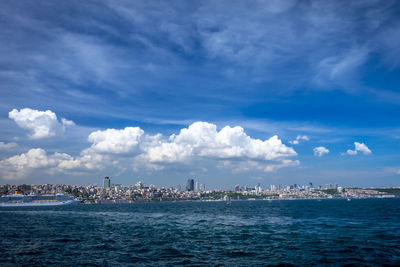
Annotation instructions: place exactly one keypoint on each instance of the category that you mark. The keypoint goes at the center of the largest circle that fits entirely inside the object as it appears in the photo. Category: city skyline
(270, 92)
(195, 186)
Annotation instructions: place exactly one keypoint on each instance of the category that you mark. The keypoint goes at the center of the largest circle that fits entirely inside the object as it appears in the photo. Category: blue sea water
(244, 233)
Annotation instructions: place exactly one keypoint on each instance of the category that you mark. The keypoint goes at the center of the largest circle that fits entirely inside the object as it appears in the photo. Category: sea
(360, 232)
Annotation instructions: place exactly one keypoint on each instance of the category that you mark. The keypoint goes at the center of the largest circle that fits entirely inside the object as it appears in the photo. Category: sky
(225, 92)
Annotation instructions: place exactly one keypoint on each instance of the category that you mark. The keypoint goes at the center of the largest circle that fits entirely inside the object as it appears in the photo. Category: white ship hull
(37, 204)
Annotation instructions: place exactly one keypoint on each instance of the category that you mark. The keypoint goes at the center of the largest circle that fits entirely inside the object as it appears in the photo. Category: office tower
(196, 186)
(237, 188)
(258, 189)
(106, 182)
(190, 185)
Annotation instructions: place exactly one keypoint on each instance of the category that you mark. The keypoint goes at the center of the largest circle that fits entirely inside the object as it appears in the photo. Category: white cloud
(202, 139)
(116, 141)
(199, 140)
(359, 147)
(351, 152)
(20, 166)
(299, 138)
(41, 124)
(7, 146)
(66, 122)
(320, 151)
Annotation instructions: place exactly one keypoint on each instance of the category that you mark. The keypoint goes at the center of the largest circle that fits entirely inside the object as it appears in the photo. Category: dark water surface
(245, 233)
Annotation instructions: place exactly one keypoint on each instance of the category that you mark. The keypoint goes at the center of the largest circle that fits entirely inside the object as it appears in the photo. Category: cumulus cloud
(298, 139)
(41, 124)
(116, 141)
(20, 166)
(202, 139)
(359, 147)
(320, 151)
(199, 140)
(230, 147)
(7, 146)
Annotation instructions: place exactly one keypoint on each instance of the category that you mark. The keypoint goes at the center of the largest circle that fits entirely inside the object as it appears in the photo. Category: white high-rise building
(106, 182)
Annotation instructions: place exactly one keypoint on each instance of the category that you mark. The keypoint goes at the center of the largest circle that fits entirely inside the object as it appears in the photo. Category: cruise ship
(20, 200)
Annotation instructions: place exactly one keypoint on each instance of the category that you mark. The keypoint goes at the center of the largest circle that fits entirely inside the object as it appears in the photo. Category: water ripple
(257, 233)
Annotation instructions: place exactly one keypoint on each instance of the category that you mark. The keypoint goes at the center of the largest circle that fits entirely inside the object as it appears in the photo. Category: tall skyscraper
(190, 185)
(106, 182)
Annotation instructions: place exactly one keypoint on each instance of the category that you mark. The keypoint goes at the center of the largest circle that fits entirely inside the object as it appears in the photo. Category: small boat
(348, 199)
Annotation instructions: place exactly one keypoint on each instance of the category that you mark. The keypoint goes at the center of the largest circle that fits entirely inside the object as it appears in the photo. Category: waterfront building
(203, 187)
(190, 185)
(106, 182)
(258, 189)
(139, 184)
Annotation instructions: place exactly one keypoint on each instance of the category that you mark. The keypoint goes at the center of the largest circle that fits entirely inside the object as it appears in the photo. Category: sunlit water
(245, 233)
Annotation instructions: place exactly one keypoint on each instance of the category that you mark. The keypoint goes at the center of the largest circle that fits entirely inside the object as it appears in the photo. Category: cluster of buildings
(115, 193)
(191, 185)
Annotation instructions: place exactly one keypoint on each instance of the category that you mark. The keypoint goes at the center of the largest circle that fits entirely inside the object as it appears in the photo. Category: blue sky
(145, 89)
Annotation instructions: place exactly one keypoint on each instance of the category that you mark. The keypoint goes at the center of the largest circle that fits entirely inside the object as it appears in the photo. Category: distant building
(196, 186)
(106, 182)
(203, 187)
(139, 184)
(258, 189)
(237, 188)
(190, 185)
